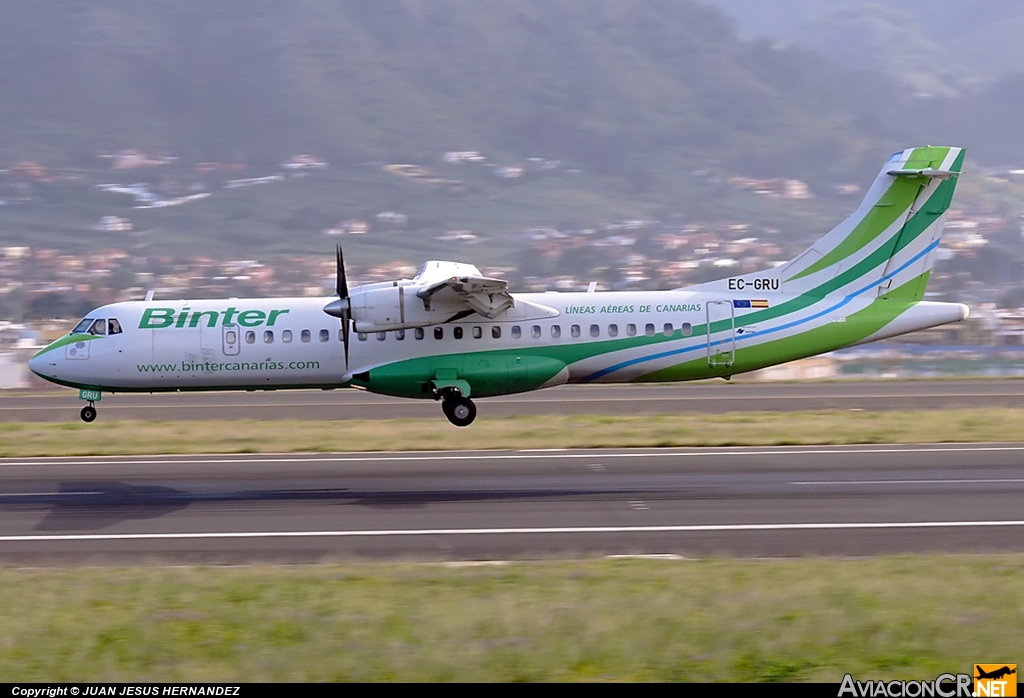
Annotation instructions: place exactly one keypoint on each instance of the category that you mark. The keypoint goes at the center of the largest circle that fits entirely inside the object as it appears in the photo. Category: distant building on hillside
(392, 218)
(114, 224)
(461, 156)
(304, 162)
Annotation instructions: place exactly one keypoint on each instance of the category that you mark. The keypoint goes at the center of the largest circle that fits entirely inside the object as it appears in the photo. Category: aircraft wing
(483, 295)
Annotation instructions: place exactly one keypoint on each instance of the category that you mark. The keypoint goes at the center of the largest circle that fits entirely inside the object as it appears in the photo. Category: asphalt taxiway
(703, 396)
(782, 501)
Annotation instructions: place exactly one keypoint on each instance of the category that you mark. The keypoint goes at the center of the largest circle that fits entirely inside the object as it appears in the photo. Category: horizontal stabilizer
(926, 172)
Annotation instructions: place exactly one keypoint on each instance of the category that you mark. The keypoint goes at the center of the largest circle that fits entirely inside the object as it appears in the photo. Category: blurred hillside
(943, 45)
(251, 128)
(637, 91)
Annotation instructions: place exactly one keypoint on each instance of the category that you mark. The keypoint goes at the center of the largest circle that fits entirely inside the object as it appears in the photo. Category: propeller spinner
(341, 308)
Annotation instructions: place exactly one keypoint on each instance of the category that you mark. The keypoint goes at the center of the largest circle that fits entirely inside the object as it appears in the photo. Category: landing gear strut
(88, 413)
(459, 410)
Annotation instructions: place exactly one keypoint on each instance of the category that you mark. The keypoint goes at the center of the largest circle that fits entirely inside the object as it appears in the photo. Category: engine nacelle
(380, 308)
(441, 292)
(395, 306)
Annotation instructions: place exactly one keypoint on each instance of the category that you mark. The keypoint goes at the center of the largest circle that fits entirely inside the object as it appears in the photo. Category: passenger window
(286, 336)
(113, 326)
(325, 336)
(418, 333)
(687, 329)
(230, 337)
(98, 327)
(381, 336)
(305, 335)
(268, 336)
(556, 331)
(613, 330)
(668, 329)
(250, 337)
(517, 332)
(535, 331)
(631, 330)
(649, 329)
(361, 336)
(438, 333)
(478, 332)
(496, 331)
(399, 335)
(574, 330)
(457, 332)
(595, 330)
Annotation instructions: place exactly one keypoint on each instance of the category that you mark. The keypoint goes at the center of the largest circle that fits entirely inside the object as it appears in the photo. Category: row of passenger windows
(286, 336)
(476, 332)
(536, 331)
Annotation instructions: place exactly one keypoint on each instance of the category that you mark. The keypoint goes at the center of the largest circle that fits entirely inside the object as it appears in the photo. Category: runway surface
(704, 396)
(759, 502)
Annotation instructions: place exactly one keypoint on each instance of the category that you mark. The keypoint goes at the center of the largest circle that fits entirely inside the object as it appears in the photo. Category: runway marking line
(558, 400)
(699, 528)
(385, 456)
(978, 481)
(46, 494)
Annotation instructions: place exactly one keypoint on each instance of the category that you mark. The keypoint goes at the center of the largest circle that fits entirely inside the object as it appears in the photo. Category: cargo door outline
(721, 343)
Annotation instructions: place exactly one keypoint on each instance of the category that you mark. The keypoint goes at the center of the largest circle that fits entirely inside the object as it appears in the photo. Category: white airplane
(451, 334)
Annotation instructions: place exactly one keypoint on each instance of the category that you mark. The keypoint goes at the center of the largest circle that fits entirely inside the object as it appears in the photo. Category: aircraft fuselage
(593, 337)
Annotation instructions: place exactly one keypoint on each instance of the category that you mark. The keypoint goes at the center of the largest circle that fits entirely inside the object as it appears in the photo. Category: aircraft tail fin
(890, 240)
(893, 236)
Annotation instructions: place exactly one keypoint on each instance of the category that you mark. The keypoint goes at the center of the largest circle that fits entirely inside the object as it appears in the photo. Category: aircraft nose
(39, 364)
(35, 364)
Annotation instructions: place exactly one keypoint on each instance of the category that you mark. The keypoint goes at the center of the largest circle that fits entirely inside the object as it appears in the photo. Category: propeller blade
(344, 336)
(341, 308)
(342, 282)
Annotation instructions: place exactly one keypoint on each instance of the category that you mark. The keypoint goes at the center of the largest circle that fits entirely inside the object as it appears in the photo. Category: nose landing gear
(88, 413)
(93, 396)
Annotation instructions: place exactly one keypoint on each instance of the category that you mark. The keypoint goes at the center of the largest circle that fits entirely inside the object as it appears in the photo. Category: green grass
(704, 620)
(19, 439)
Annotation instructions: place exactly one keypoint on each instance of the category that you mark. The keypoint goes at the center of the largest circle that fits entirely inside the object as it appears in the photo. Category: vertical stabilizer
(890, 240)
(892, 236)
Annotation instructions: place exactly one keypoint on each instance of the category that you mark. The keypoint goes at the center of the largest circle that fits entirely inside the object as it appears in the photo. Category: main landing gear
(459, 410)
(88, 413)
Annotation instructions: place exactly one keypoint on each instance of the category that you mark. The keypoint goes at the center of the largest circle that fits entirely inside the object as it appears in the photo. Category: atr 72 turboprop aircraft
(452, 335)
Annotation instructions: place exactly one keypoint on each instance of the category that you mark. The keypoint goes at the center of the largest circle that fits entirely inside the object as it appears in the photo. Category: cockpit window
(113, 326)
(99, 327)
(82, 326)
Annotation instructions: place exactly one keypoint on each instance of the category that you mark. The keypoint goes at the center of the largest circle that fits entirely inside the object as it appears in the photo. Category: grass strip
(702, 620)
(22, 439)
